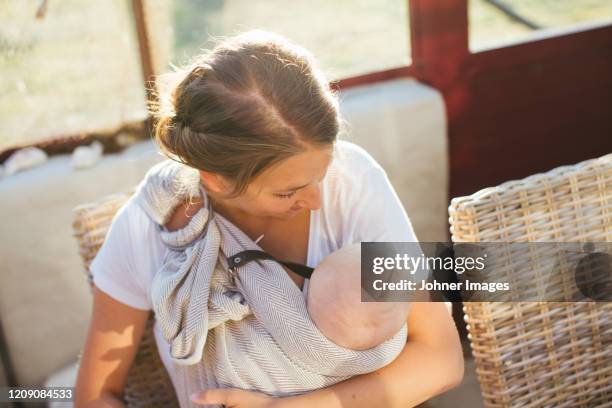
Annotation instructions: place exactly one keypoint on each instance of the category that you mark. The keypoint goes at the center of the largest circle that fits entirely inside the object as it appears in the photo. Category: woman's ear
(213, 182)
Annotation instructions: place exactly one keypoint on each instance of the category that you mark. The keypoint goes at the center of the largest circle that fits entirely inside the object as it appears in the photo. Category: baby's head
(334, 304)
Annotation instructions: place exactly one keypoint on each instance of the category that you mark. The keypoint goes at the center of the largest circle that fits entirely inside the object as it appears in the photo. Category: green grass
(77, 69)
(488, 26)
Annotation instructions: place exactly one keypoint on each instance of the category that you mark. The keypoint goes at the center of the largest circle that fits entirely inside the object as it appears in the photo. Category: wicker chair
(535, 354)
(148, 383)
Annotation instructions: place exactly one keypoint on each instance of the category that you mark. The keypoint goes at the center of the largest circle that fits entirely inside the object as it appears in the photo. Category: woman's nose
(311, 197)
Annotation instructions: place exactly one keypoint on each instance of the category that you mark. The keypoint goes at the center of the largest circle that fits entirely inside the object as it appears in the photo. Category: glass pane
(75, 68)
(348, 37)
(495, 22)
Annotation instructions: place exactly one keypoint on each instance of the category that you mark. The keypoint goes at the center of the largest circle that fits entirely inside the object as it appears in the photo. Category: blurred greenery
(197, 19)
(348, 37)
(77, 69)
(490, 27)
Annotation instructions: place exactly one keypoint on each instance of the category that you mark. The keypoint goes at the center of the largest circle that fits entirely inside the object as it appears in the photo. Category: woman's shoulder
(132, 216)
(130, 254)
(351, 163)
(353, 158)
(137, 229)
(345, 190)
(360, 202)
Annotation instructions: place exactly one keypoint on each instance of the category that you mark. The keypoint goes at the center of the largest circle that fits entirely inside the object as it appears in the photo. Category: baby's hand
(182, 214)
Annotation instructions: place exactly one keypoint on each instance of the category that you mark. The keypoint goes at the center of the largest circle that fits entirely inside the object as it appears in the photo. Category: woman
(259, 122)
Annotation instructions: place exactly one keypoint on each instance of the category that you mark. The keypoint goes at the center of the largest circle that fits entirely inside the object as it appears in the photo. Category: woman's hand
(234, 398)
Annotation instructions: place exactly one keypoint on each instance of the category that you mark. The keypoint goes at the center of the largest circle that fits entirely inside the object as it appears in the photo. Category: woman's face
(287, 188)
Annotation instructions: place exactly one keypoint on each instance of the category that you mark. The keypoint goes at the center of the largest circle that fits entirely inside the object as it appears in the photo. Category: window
(75, 68)
(348, 37)
(495, 22)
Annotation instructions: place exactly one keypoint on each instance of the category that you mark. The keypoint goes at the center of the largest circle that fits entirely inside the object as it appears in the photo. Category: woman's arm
(112, 340)
(431, 363)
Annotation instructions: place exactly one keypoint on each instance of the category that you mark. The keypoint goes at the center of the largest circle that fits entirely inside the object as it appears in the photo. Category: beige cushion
(45, 300)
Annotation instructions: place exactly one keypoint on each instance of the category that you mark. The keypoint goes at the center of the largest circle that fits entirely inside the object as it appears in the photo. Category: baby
(334, 304)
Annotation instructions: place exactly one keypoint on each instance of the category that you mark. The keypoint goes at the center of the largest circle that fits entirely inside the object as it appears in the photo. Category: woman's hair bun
(252, 101)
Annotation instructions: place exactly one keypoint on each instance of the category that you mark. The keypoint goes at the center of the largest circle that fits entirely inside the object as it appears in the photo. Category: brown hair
(253, 101)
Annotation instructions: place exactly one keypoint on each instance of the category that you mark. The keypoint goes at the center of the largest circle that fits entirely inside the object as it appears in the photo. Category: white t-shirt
(358, 205)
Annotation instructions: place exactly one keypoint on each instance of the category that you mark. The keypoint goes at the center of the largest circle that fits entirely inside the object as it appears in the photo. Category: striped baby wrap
(253, 332)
